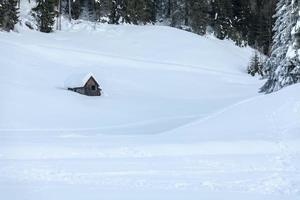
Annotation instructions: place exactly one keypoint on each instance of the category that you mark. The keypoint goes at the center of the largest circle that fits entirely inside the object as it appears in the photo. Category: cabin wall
(88, 88)
(90, 92)
(87, 91)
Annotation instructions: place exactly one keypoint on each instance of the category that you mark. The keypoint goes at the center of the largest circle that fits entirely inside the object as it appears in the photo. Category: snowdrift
(268, 117)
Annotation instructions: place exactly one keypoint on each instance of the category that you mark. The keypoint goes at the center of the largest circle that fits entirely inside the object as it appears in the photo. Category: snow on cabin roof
(78, 80)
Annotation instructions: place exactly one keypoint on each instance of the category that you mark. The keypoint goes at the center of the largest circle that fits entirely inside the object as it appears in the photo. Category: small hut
(85, 84)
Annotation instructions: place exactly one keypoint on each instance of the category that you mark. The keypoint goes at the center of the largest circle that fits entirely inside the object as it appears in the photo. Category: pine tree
(198, 15)
(177, 13)
(164, 9)
(148, 14)
(132, 11)
(117, 12)
(221, 19)
(75, 9)
(283, 65)
(102, 10)
(256, 65)
(260, 25)
(240, 21)
(8, 14)
(294, 53)
(45, 14)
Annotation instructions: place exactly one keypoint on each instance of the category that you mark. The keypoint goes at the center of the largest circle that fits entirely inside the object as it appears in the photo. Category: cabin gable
(91, 82)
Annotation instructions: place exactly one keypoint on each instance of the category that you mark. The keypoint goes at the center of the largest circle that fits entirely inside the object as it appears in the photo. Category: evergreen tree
(256, 65)
(102, 10)
(177, 13)
(260, 30)
(45, 14)
(148, 14)
(117, 12)
(283, 65)
(240, 21)
(8, 14)
(75, 9)
(221, 19)
(163, 9)
(132, 11)
(198, 15)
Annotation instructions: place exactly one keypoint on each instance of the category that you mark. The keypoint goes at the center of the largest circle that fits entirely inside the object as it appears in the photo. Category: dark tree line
(247, 22)
(8, 14)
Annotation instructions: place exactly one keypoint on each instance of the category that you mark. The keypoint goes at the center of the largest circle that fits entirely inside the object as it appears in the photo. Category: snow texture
(180, 119)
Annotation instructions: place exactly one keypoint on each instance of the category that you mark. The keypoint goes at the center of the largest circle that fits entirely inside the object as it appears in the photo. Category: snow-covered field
(179, 119)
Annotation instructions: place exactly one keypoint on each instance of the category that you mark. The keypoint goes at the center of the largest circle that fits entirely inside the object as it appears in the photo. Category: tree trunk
(70, 14)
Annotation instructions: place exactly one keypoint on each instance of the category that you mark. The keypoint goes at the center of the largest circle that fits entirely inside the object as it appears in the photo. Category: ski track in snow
(171, 65)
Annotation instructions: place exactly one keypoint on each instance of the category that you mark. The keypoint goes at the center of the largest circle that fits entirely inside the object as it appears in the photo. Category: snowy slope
(138, 75)
(263, 117)
(179, 118)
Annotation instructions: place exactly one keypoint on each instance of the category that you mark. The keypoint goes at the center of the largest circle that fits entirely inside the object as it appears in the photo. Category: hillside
(140, 69)
(179, 118)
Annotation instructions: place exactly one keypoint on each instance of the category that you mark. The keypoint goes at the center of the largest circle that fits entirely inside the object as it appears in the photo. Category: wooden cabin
(84, 84)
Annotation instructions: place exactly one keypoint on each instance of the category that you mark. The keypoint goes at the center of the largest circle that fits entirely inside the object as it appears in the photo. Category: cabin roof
(78, 80)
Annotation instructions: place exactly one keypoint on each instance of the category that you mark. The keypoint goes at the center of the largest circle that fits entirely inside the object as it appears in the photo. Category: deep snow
(179, 118)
